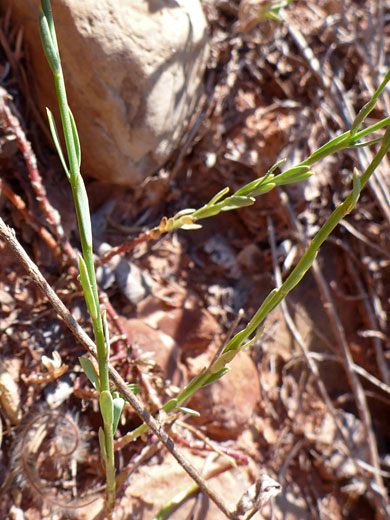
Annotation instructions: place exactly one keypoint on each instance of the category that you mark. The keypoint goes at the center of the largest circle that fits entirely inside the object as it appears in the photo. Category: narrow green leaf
(251, 187)
(235, 202)
(255, 338)
(106, 407)
(80, 193)
(292, 281)
(170, 405)
(190, 411)
(87, 289)
(222, 361)
(48, 45)
(218, 196)
(206, 212)
(264, 188)
(75, 135)
(363, 113)
(291, 180)
(106, 334)
(90, 371)
(134, 388)
(102, 443)
(274, 167)
(367, 143)
(56, 141)
(293, 172)
(369, 106)
(236, 341)
(190, 226)
(46, 8)
(332, 146)
(355, 189)
(118, 403)
(215, 377)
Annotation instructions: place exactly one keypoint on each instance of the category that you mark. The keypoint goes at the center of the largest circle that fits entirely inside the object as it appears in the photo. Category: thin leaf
(75, 135)
(56, 141)
(87, 289)
(369, 106)
(46, 8)
(215, 377)
(297, 178)
(106, 407)
(332, 146)
(367, 143)
(218, 196)
(251, 187)
(264, 188)
(235, 202)
(222, 361)
(90, 371)
(363, 113)
(80, 193)
(102, 443)
(206, 212)
(106, 334)
(118, 403)
(355, 189)
(49, 47)
(189, 411)
(293, 172)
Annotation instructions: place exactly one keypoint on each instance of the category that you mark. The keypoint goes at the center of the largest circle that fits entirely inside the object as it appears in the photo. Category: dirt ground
(306, 404)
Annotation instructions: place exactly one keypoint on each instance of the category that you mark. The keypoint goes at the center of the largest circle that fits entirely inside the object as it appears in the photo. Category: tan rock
(133, 71)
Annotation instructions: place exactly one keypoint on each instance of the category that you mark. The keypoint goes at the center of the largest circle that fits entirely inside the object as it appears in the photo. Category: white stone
(133, 71)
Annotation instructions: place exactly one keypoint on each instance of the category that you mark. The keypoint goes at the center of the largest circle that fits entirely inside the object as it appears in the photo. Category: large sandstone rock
(133, 71)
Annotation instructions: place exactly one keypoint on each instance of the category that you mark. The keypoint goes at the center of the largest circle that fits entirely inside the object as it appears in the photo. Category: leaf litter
(272, 90)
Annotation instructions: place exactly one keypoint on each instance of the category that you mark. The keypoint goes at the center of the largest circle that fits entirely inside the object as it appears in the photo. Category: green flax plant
(111, 402)
(246, 196)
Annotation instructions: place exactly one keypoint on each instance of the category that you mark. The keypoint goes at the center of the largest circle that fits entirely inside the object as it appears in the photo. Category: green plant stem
(84, 223)
(276, 295)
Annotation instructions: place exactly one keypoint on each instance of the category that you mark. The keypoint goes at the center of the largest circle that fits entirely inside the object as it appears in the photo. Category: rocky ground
(305, 405)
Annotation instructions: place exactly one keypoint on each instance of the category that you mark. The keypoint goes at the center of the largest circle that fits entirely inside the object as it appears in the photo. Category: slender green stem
(87, 275)
(276, 295)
